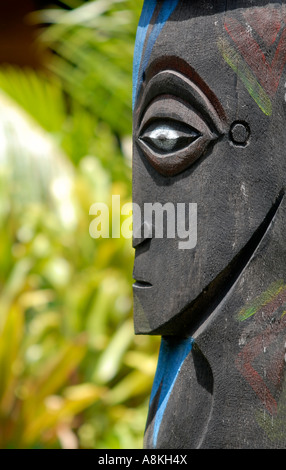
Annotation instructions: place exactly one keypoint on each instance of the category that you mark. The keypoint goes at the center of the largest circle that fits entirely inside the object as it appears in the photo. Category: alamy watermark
(154, 220)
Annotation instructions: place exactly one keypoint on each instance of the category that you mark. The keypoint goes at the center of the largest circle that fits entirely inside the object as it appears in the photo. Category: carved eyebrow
(172, 83)
(175, 76)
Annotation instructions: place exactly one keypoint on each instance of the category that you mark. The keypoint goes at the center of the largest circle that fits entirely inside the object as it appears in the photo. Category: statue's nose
(141, 234)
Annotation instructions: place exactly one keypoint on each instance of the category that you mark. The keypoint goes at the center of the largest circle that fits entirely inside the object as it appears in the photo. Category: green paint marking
(261, 301)
(236, 62)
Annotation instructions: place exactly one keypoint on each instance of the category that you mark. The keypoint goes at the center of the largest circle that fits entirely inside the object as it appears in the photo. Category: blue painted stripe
(140, 63)
(171, 359)
(144, 22)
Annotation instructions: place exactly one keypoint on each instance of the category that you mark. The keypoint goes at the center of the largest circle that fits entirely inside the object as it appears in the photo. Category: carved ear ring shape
(239, 133)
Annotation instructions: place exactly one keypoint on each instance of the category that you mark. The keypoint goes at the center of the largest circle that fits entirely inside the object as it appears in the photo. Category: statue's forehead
(245, 43)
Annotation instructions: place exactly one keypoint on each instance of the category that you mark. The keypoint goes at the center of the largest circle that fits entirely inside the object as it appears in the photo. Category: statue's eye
(173, 134)
(165, 137)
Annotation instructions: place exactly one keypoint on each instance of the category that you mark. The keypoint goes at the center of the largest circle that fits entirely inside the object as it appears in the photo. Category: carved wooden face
(209, 128)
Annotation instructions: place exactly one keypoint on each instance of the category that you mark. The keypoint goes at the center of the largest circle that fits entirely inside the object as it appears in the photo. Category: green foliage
(72, 372)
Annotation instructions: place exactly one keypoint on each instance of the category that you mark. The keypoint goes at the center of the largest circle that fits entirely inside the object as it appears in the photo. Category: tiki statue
(209, 103)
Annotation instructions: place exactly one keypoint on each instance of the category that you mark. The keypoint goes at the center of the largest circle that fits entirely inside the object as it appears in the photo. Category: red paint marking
(256, 347)
(243, 363)
(265, 21)
(268, 74)
(275, 374)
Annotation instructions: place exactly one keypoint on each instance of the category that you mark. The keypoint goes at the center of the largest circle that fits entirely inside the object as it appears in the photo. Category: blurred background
(72, 373)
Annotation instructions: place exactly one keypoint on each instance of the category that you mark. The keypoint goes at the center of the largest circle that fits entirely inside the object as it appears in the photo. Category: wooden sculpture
(209, 130)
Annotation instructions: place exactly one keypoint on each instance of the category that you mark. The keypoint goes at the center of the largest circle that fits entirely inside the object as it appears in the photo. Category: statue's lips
(197, 311)
(142, 284)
